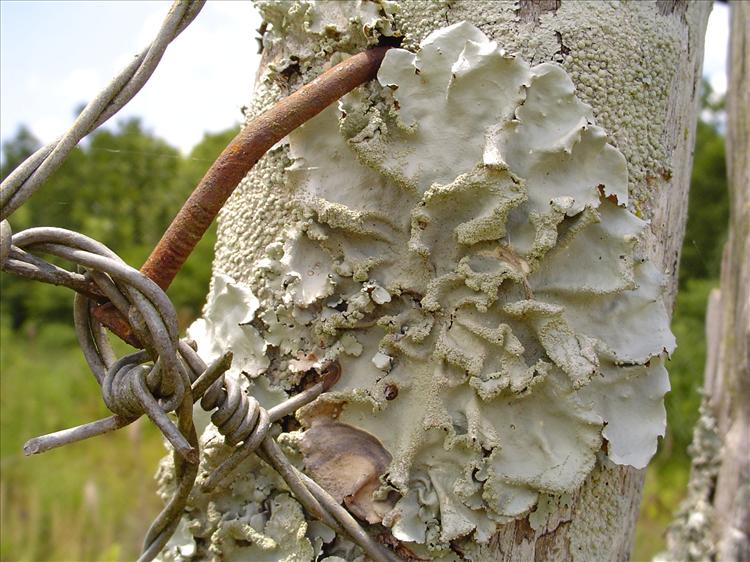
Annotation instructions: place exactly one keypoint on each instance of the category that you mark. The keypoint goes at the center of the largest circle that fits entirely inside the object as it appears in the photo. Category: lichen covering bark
(461, 243)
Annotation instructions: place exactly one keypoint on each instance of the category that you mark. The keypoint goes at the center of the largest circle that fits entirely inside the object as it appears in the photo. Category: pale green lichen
(488, 299)
(689, 537)
(225, 326)
(626, 82)
(247, 518)
(438, 247)
(301, 39)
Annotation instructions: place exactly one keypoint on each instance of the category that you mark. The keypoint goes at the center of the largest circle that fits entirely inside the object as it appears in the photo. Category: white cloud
(205, 76)
(33, 82)
(151, 25)
(80, 85)
(48, 126)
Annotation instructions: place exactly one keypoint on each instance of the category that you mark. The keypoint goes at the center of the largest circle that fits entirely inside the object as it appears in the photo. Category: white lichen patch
(225, 326)
(466, 253)
(356, 22)
(523, 328)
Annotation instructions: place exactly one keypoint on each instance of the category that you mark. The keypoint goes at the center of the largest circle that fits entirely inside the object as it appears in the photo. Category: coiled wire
(167, 376)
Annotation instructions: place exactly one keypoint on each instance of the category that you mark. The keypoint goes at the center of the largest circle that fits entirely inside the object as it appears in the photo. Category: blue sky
(55, 55)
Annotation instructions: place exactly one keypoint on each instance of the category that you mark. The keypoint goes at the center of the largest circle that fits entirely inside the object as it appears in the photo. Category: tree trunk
(637, 64)
(714, 521)
(731, 400)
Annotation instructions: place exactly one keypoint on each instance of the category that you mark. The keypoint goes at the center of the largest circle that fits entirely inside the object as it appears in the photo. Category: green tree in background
(121, 188)
(18, 149)
(700, 262)
(129, 184)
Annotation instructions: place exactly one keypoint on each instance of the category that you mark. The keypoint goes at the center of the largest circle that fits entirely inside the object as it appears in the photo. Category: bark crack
(554, 544)
(669, 7)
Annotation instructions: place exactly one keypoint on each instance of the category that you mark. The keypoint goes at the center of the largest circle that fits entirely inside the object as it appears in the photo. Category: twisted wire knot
(151, 382)
(237, 414)
(168, 376)
(132, 387)
(120, 390)
(5, 242)
(239, 418)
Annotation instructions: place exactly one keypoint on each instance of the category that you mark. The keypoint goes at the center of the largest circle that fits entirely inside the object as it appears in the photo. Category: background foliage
(93, 501)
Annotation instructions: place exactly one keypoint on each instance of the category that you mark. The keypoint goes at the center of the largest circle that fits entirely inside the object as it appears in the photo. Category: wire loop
(169, 376)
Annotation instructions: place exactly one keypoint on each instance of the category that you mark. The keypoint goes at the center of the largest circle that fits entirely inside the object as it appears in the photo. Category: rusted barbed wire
(168, 375)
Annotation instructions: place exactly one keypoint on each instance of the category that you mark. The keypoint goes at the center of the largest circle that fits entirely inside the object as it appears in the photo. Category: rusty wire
(240, 155)
(168, 375)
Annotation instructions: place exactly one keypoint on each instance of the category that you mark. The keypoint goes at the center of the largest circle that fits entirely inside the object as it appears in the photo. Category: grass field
(88, 501)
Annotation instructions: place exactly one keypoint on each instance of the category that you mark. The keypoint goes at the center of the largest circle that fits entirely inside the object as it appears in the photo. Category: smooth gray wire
(24, 181)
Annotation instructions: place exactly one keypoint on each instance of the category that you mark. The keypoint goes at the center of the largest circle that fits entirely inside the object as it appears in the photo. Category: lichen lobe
(466, 253)
(491, 208)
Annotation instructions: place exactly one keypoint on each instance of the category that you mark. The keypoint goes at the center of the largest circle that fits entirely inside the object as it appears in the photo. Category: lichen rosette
(468, 256)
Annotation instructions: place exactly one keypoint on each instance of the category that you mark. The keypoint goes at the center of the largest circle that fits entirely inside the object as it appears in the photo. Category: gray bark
(731, 400)
(714, 522)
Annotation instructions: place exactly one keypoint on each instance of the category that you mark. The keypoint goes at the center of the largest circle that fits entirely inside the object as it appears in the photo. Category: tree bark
(714, 521)
(731, 400)
(638, 64)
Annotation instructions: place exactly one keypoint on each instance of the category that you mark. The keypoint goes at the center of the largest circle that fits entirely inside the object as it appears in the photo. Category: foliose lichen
(522, 324)
(464, 249)
(230, 308)
(249, 517)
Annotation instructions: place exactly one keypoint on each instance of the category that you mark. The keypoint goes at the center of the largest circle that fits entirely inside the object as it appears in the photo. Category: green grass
(666, 483)
(88, 501)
